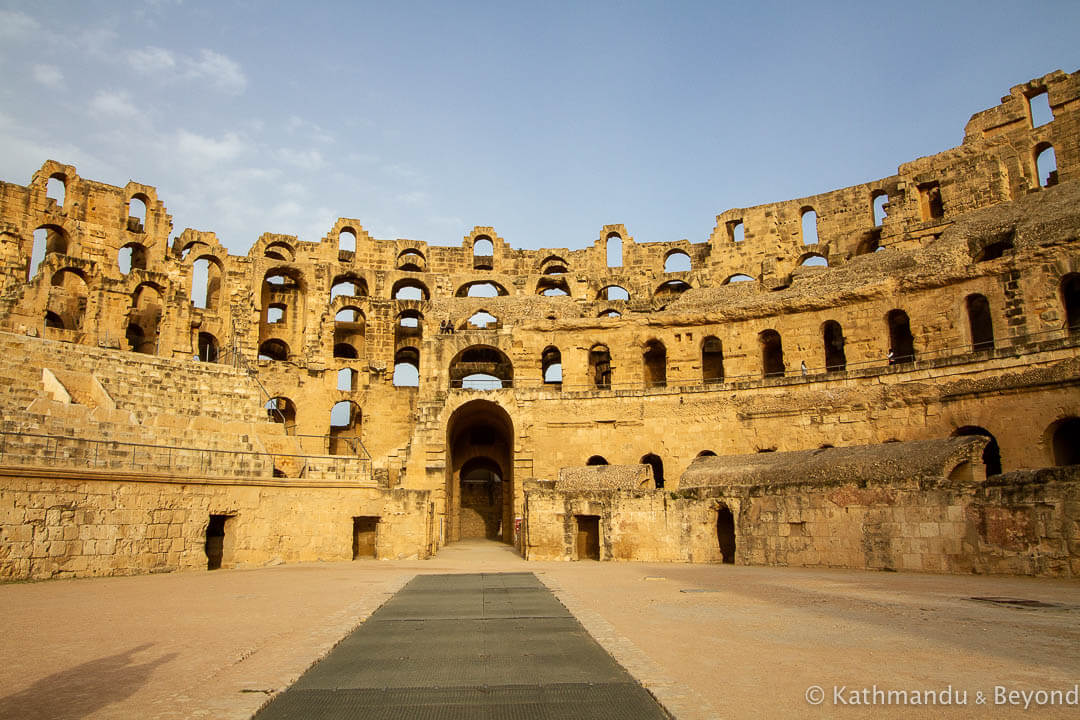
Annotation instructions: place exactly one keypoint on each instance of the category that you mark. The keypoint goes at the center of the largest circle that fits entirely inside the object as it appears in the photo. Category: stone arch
(481, 367)
(554, 265)
(657, 465)
(725, 534)
(275, 350)
(207, 349)
(613, 293)
(596, 460)
(279, 250)
(551, 366)
(1062, 438)
(991, 455)
(411, 260)
(282, 410)
(654, 364)
(737, 278)
(1070, 302)
(144, 318)
(348, 284)
(206, 277)
(480, 434)
(131, 256)
(712, 360)
(1046, 168)
(346, 426)
(833, 340)
(406, 367)
(901, 341)
(481, 288)
(980, 324)
(600, 366)
(772, 354)
(552, 287)
(410, 289)
(677, 261)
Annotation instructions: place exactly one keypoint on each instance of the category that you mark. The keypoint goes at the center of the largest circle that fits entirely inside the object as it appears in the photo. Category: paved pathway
(482, 645)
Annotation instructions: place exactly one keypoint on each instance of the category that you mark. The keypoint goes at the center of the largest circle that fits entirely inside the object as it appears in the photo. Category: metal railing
(91, 453)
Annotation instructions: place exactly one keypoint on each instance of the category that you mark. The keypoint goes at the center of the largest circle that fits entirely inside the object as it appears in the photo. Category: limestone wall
(73, 524)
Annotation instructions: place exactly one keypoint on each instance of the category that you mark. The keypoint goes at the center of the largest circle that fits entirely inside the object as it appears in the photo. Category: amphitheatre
(880, 377)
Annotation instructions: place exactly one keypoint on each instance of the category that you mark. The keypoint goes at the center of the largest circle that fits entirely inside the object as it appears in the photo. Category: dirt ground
(707, 640)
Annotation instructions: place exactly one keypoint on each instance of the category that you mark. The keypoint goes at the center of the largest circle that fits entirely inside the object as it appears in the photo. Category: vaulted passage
(467, 646)
(480, 488)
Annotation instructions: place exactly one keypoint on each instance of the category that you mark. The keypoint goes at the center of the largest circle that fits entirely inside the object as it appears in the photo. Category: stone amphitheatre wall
(969, 275)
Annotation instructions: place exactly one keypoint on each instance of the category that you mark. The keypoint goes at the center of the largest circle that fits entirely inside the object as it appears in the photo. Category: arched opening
(282, 410)
(600, 366)
(411, 260)
(48, 240)
(1070, 300)
(346, 379)
(1039, 107)
(481, 367)
(279, 251)
(712, 360)
(136, 219)
(408, 327)
(131, 257)
(67, 298)
(407, 367)
(275, 314)
(609, 313)
(832, 336)
(483, 319)
(551, 365)
(275, 350)
(53, 320)
(553, 265)
(597, 460)
(614, 250)
(1065, 441)
(813, 260)
(484, 288)
(553, 287)
(736, 231)
(480, 488)
(409, 289)
(657, 466)
(879, 201)
(350, 332)
(284, 289)
(483, 253)
(982, 327)
(671, 288)
(348, 285)
(614, 292)
(677, 261)
(56, 189)
(143, 319)
(208, 348)
(346, 423)
(809, 226)
(725, 534)
(706, 453)
(346, 240)
(772, 354)
(1046, 165)
(205, 283)
(901, 341)
(991, 455)
(654, 360)
(738, 278)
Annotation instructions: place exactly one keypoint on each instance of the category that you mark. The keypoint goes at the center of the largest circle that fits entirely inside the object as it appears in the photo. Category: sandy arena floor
(708, 641)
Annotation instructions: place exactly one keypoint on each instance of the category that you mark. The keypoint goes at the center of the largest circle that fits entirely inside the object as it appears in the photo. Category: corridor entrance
(479, 484)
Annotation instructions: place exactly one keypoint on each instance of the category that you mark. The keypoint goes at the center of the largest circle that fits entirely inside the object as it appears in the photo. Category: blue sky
(546, 120)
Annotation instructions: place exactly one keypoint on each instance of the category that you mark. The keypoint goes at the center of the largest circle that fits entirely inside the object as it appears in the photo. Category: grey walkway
(488, 645)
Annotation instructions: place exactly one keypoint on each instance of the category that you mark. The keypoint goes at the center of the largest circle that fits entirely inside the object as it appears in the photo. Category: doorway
(215, 541)
(725, 534)
(365, 534)
(588, 537)
(480, 493)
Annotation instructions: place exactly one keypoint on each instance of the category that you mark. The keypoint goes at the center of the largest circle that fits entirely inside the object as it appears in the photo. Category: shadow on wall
(83, 689)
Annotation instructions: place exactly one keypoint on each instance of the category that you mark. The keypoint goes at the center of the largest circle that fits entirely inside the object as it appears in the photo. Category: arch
(409, 289)
(979, 322)
(483, 247)
(350, 314)
(480, 446)
(706, 453)
(346, 379)
(69, 279)
(670, 288)
(1046, 169)
(208, 348)
(48, 240)
(282, 410)
(481, 288)
(610, 313)
(206, 274)
(991, 455)
(736, 231)
(286, 279)
(552, 287)
(407, 367)
(53, 320)
(600, 366)
(832, 338)
(1070, 301)
(597, 460)
(738, 277)
(408, 324)
(677, 261)
(348, 285)
(280, 251)
(345, 351)
(482, 319)
(869, 244)
(772, 354)
(411, 260)
(901, 341)
(809, 226)
(346, 240)
(276, 350)
(144, 318)
(131, 257)
(136, 216)
(1064, 441)
(551, 365)
(654, 362)
(275, 313)
(613, 292)
(56, 189)
(481, 367)
(1039, 108)
(725, 534)
(553, 265)
(350, 332)
(346, 425)
(657, 465)
(879, 199)
(813, 260)
(712, 360)
(613, 249)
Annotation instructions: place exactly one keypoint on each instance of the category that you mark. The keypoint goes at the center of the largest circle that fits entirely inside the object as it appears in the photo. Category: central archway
(480, 493)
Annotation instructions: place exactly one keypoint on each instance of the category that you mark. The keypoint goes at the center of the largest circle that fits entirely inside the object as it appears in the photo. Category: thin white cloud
(219, 70)
(315, 132)
(201, 151)
(15, 25)
(112, 104)
(48, 75)
(150, 60)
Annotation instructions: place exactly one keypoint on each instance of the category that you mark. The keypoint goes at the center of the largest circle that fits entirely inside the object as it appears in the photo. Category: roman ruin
(883, 376)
